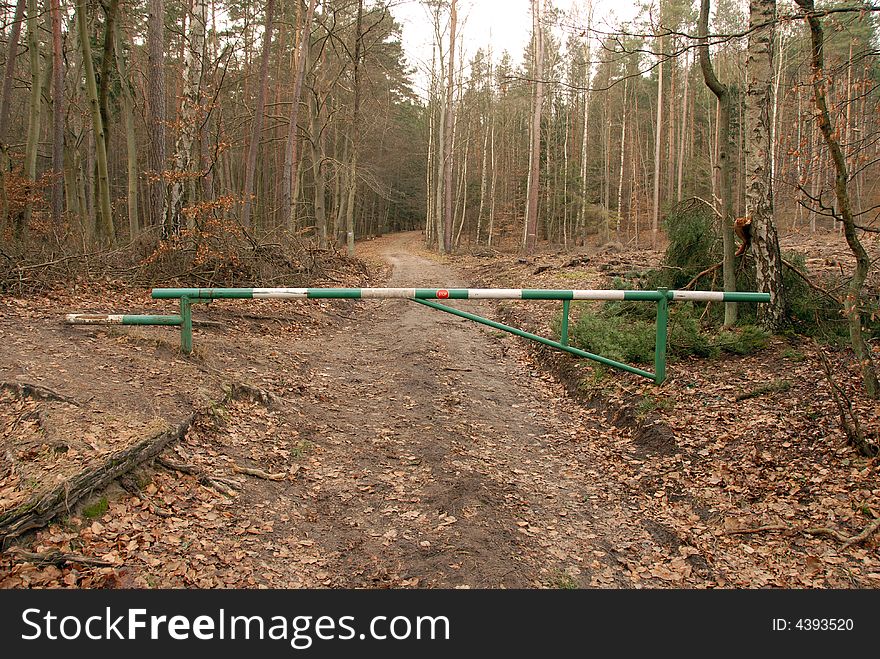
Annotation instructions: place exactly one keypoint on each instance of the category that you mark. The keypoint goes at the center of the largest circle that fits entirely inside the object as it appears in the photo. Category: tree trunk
(291, 154)
(844, 210)
(722, 93)
(535, 148)
(111, 11)
(585, 135)
(156, 103)
(57, 115)
(259, 111)
(622, 154)
(355, 132)
(658, 142)
(758, 149)
(448, 158)
(185, 171)
(130, 136)
(104, 230)
(34, 113)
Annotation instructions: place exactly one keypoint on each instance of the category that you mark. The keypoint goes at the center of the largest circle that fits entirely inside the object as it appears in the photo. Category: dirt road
(409, 448)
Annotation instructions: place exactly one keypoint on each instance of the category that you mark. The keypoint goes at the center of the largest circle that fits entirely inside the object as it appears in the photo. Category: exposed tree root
(225, 486)
(42, 508)
(847, 541)
(39, 392)
(55, 557)
(259, 473)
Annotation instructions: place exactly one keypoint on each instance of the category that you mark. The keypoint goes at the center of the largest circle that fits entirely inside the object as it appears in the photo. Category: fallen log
(42, 508)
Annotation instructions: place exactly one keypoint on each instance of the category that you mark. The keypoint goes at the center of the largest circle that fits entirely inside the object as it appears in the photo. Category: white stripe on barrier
(598, 295)
(280, 293)
(699, 296)
(494, 293)
(94, 319)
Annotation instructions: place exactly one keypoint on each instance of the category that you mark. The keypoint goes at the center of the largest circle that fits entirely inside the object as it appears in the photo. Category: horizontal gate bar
(535, 337)
(452, 294)
(120, 319)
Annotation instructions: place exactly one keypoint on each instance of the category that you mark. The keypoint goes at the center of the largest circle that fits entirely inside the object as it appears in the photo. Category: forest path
(407, 448)
(443, 458)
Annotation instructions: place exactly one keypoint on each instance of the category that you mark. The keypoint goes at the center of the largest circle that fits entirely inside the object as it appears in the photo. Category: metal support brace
(535, 337)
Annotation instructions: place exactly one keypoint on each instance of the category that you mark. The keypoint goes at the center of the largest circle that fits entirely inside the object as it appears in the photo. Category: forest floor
(380, 444)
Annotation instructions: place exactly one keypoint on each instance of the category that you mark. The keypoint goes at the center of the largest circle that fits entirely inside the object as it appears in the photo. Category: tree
(57, 114)
(104, 229)
(185, 162)
(288, 201)
(531, 233)
(450, 136)
(853, 307)
(758, 154)
(722, 93)
(259, 111)
(156, 103)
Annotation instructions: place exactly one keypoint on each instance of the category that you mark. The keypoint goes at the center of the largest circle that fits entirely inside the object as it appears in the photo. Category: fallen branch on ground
(259, 473)
(28, 390)
(847, 541)
(223, 485)
(849, 422)
(55, 557)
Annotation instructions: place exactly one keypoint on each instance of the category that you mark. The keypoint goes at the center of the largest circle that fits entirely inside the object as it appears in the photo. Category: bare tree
(288, 183)
(57, 114)
(758, 153)
(531, 237)
(156, 103)
(259, 111)
(853, 307)
(722, 94)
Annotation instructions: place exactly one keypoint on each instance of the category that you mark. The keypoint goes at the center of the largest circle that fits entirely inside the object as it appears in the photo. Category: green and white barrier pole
(119, 319)
(425, 296)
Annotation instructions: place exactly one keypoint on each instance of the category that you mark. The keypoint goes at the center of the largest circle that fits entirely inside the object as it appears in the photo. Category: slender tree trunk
(355, 132)
(535, 148)
(722, 93)
(448, 155)
(35, 111)
(493, 180)
(317, 151)
(130, 135)
(183, 185)
(156, 103)
(259, 111)
(853, 307)
(58, 107)
(111, 11)
(758, 148)
(585, 135)
(683, 129)
(104, 217)
(291, 153)
(658, 144)
(9, 69)
(622, 153)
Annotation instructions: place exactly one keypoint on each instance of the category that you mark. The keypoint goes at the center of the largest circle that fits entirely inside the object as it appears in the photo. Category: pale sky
(506, 24)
